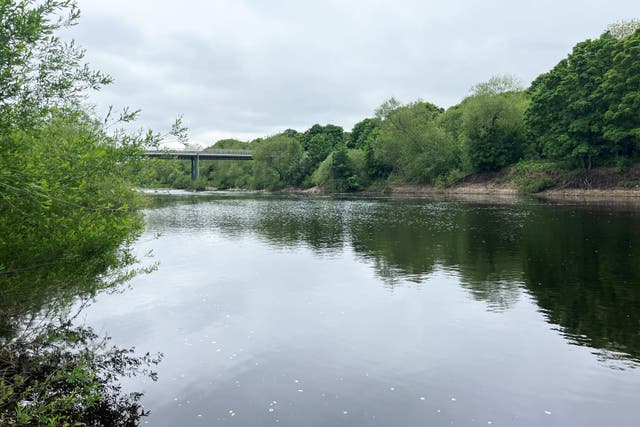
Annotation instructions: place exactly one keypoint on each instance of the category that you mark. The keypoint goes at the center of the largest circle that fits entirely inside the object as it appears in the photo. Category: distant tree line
(583, 113)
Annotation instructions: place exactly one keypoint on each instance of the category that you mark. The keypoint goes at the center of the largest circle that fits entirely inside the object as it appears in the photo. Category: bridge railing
(222, 151)
(196, 153)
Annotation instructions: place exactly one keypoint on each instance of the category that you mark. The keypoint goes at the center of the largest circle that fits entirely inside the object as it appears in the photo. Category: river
(321, 311)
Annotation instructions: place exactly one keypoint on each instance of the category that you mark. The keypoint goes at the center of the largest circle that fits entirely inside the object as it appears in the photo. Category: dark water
(377, 312)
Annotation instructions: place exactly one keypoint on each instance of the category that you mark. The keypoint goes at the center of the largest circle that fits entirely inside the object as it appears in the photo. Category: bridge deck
(202, 155)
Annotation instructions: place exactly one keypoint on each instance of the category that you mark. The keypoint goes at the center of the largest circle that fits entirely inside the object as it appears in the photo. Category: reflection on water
(320, 311)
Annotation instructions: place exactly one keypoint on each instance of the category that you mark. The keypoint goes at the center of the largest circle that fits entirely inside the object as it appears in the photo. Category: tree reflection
(583, 269)
(579, 264)
(54, 371)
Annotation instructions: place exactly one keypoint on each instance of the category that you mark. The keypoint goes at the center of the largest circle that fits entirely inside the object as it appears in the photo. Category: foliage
(587, 108)
(65, 205)
(496, 85)
(343, 170)
(318, 141)
(565, 115)
(223, 174)
(160, 173)
(38, 70)
(620, 90)
(623, 29)
(364, 133)
(413, 145)
(65, 195)
(451, 122)
(277, 162)
(535, 176)
(65, 375)
(228, 144)
(387, 107)
(493, 130)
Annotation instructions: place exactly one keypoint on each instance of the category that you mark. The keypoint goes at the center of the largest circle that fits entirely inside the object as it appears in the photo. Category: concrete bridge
(196, 156)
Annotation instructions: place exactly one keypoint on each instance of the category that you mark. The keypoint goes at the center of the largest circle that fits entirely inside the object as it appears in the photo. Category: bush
(343, 170)
(67, 375)
(623, 164)
(451, 178)
(535, 176)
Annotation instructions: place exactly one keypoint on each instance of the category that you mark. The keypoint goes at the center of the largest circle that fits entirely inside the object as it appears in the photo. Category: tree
(363, 133)
(65, 195)
(291, 133)
(620, 90)
(318, 141)
(496, 85)
(343, 170)
(228, 144)
(66, 206)
(277, 162)
(413, 145)
(37, 70)
(319, 147)
(387, 107)
(587, 109)
(493, 129)
(623, 29)
(567, 108)
(63, 189)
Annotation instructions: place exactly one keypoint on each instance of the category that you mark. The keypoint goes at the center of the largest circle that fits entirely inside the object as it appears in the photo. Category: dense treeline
(585, 112)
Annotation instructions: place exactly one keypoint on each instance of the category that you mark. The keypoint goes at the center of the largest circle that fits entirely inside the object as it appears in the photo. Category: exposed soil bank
(488, 188)
(601, 184)
(510, 190)
(593, 195)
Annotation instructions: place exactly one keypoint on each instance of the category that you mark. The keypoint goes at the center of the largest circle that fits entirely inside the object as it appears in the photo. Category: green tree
(64, 195)
(37, 70)
(567, 110)
(318, 141)
(620, 90)
(413, 145)
(363, 133)
(343, 170)
(493, 128)
(277, 162)
(228, 144)
(292, 133)
(66, 206)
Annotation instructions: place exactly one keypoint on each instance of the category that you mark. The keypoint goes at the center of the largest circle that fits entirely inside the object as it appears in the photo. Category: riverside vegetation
(68, 216)
(582, 115)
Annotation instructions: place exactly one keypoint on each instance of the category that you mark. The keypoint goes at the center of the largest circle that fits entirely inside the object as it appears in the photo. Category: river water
(318, 311)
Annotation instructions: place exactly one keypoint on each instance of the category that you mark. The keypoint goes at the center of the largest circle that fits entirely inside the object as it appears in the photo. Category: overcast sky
(249, 68)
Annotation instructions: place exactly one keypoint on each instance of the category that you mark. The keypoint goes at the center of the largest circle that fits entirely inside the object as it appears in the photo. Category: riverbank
(540, 180)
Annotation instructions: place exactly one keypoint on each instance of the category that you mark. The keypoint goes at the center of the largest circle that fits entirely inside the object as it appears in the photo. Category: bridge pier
(195, 167)
(195, 156)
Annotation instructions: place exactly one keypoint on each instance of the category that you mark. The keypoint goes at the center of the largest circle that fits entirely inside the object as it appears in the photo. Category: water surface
(377, 312)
